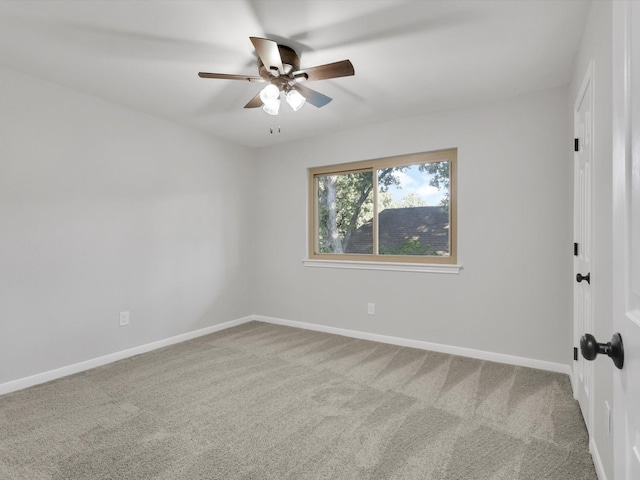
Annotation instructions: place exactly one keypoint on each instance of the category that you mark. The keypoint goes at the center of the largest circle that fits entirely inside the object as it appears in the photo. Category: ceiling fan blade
(255, 102)
(343, 68)
(226, 76)
(268, 53)
(316, 99)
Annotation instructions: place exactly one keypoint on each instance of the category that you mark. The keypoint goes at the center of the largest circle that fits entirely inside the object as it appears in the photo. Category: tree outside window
(394, 209)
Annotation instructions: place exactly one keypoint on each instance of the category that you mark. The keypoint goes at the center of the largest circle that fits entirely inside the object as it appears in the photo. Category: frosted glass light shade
(270, 99)
(271, 106)
(270, 92)
(295, 99)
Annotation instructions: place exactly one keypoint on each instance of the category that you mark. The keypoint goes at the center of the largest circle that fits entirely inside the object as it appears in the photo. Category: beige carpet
(261, 401)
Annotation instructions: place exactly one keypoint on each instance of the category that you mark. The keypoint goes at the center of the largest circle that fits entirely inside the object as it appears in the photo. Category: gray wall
(102, 210)
(514, 294)
(597, 46)
(105, 209)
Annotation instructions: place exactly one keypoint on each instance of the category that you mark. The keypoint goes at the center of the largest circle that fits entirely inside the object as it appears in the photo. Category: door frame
(623, 149)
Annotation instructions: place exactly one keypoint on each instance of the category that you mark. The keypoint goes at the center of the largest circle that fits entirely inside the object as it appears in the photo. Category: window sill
(392, 266)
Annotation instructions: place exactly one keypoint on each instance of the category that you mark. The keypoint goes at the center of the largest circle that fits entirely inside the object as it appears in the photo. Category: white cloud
(426, 190)
(417, 183)
(406, 182)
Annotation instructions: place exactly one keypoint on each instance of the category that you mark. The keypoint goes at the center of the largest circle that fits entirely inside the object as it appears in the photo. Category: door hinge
(575, 249)
(576, 144)
(575, 354)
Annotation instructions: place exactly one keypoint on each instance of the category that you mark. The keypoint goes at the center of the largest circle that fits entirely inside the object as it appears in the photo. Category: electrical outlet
(371, 308)
(124, 319)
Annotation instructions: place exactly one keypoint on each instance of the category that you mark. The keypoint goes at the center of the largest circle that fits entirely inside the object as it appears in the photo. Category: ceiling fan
(279, 66)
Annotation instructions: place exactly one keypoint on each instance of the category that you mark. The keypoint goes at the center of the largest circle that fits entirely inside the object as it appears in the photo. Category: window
(396, 209)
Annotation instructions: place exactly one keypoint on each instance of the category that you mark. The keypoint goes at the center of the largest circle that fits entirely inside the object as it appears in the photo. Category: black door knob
(587, 277)
(614, 349)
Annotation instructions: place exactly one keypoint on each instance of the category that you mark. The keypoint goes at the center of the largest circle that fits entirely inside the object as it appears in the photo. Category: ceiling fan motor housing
(290, 62)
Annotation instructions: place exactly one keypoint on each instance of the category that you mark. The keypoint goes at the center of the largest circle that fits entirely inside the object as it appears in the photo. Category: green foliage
(386, 200)
(408, 247)
(386, 177)
(345, 202)
(440, 179)
(412, 200)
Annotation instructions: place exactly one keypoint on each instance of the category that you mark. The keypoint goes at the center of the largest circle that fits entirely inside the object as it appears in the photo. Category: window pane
(345, 206)
(413, 210)
(395, 209)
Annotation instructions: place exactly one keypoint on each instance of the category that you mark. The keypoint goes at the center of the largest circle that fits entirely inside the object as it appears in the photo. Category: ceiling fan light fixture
(269, 93)
(271, 106)
(295, 99)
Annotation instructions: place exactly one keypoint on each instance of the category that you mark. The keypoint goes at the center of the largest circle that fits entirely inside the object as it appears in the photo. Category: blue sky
(414, 181)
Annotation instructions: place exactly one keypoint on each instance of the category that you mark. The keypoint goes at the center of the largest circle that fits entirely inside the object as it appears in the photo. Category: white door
(626, 235)
(582, 214)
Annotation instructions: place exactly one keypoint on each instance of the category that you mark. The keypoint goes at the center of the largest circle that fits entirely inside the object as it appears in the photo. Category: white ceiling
(410, 57)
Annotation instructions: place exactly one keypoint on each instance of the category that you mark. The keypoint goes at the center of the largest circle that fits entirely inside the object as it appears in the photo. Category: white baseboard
(597, 461)
(39, 378)
(434, 347)
(113, 357)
